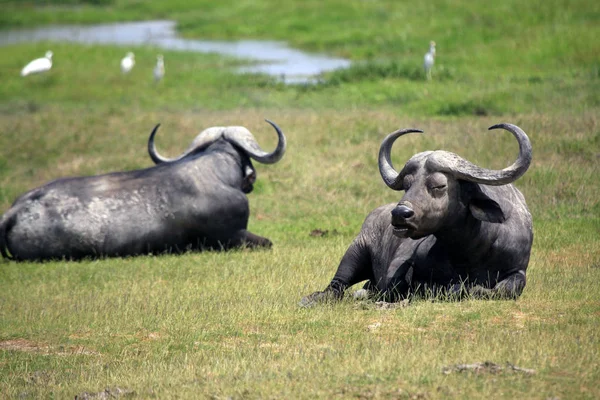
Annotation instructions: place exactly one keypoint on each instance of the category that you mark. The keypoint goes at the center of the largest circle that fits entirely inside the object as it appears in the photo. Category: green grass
(227, 325)
(499, 59)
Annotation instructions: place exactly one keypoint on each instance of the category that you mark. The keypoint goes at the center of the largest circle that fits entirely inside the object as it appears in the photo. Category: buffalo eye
(437, 183)
(438, 190)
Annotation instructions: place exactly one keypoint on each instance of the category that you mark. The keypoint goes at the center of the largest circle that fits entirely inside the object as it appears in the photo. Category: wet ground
(271, 57)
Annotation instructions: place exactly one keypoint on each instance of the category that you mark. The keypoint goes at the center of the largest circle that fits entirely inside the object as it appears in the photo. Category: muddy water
(271, 57)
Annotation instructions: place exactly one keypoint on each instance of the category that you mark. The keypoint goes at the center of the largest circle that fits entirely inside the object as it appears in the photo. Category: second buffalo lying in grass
(458, 230)
(195, 201)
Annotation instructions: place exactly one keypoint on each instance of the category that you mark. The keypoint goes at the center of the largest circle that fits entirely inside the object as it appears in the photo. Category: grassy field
(228, 325)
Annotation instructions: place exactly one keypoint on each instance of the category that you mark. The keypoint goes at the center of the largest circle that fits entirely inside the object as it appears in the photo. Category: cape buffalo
(459, 229)
(195, 201)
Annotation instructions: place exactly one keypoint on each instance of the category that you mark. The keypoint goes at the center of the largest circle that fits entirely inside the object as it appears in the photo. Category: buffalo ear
(481, 206)
(486, 210)
(249, 174)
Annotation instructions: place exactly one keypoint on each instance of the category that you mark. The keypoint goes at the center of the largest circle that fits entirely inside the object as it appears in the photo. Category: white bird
(429, 59)
(38, 65)
(127, 63)
(159, 70)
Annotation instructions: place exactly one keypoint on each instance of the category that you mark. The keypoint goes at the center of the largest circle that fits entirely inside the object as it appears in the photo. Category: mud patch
(108, 393)
(384, 305)
(22, 345)
(148, 336)
(322, 233)
(41, 378)
(365, 304)
(486, 367)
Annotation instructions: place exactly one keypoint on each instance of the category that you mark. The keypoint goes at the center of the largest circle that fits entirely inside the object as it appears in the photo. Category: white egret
(429, 59)
(159, 70)
(38, 65)
(127, 63)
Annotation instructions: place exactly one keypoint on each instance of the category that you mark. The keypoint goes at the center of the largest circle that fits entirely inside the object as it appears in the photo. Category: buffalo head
(230, 139)
(441, 188)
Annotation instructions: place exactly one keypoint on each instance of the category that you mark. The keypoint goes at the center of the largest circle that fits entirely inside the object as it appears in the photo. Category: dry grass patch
(29, 346)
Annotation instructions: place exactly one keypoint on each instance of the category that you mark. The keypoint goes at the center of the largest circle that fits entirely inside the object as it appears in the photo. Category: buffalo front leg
(354, 267)
(244, 238)
(507, 289)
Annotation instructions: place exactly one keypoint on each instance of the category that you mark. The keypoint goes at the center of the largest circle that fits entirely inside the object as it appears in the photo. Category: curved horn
(204, 138)
(390, 176)
(463, 169)
(247, 143)
(157, 158)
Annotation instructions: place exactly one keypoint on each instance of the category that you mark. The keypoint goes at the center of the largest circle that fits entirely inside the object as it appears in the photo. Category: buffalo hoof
(258, 244)
(479, 292)
(362, 294)
(501, 293)
(457, 292)
(317, 297)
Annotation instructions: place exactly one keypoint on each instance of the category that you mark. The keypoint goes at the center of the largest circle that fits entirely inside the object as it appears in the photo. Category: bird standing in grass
(159, 70)
(429, 59)
(127, 63)
(38, 65)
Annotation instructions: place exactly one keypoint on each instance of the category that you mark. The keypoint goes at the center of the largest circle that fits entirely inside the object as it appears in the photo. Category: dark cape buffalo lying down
(195, 201)
(458, 230)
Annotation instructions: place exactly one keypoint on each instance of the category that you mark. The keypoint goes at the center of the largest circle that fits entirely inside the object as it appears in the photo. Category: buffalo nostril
(402, 212)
